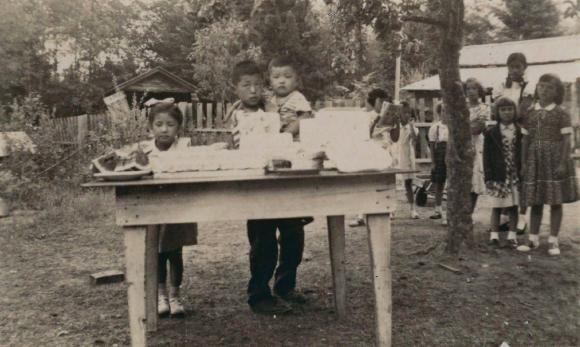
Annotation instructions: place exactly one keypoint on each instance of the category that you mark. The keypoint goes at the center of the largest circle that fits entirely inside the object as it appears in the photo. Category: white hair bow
(151, 102)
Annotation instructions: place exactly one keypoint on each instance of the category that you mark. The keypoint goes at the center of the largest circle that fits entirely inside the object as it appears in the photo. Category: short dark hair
(378, 93)
(502, 102)
(283, 61)
(517, 57)
(165, 107)
(245, 68)
(552, 78)
(480, 89)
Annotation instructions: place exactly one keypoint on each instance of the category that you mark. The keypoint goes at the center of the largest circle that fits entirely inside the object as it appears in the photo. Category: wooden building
(487, 63)
(156, 83)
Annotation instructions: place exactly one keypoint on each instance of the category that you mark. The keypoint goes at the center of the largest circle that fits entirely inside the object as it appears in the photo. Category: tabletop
(224, 176)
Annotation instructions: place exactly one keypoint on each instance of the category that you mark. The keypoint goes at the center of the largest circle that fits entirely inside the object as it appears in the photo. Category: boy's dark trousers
(264, 255)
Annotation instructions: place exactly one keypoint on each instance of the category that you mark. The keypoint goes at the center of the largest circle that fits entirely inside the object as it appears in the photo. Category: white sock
(494, 235)
(511, 235)
(412, 207)
(553, 239)
(438, 209)
(534, 238)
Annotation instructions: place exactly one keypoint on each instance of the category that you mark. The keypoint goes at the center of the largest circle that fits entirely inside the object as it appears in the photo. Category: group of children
(523, 161)
(522, 154)
(269, 256)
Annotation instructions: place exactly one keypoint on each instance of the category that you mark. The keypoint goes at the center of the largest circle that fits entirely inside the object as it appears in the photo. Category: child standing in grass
(548, 170)
(501, 153)
(165, 120)
(378, 100)
(479, 114)
(407, 138)
(438, 137)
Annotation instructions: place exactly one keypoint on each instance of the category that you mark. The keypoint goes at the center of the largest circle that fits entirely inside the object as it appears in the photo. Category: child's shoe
(175, 305)
(436, 215)
(162, 302)
(414, 215)
(294, 297)
(554, 249)
(530, 246)
(444, 221)
(271, 306)
(512, 243)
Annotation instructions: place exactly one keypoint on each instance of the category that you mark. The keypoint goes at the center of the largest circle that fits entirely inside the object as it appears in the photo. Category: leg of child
(474, 197)
(291, 248)
(438, 187)
(176, 274)
(494, 221)
(162, 300)
(513, 223)
(556, 213)
(263, 259)
(522, 221)
(535, 222)
(410, 198)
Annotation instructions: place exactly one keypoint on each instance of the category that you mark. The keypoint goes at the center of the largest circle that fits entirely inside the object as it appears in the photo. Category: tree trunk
(460, 152)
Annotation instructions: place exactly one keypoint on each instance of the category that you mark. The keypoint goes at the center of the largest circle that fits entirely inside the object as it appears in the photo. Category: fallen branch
(447, 267)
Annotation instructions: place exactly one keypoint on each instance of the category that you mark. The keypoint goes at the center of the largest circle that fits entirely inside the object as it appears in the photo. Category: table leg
(336, 243)
(151, 274)
(379, 231)
(138, 264)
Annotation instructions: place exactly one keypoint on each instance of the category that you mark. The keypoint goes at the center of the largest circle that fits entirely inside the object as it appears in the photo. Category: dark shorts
(439, 171)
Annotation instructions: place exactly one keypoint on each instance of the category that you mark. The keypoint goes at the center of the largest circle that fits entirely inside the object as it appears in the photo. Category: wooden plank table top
(211, 197)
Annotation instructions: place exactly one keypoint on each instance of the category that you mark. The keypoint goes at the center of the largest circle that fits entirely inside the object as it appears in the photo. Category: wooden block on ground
(106, 277)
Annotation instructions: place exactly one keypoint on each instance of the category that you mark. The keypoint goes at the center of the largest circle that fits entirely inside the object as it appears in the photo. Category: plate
(123, 175)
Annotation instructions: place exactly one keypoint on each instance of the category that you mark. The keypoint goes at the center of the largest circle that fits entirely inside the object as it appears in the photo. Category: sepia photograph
(290, 173)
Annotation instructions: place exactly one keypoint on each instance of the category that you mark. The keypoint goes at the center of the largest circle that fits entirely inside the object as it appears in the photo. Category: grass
(499, 295)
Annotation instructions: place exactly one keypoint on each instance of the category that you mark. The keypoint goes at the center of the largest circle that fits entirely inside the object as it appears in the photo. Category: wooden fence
(205, 122)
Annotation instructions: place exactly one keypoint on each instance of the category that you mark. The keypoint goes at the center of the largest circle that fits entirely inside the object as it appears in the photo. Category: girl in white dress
(479, 114)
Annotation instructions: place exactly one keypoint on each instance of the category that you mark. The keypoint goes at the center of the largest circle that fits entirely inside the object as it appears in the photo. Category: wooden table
(256, 196)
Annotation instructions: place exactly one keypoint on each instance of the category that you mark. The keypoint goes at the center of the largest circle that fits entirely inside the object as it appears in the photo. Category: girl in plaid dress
(501, 154)
(548, 170)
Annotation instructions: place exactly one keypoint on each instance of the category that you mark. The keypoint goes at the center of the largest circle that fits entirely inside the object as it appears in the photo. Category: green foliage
(528, 19)
(218, 48)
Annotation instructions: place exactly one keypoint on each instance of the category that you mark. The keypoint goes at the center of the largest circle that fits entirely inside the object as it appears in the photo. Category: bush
(36, 180)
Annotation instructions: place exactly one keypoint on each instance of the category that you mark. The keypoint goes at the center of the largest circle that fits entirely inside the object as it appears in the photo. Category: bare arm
(565, 150)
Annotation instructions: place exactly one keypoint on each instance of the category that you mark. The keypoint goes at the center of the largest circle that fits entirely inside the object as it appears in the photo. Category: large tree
(528, 19)
(446, 19)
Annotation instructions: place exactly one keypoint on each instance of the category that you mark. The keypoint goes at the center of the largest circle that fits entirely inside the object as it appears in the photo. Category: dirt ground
(499, 296)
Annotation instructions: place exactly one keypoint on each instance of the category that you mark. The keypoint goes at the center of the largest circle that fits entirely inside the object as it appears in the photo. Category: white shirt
(508, 131)
(438, 132)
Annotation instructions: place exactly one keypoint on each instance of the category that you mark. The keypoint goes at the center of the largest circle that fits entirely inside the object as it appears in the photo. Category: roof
(494, 76)
(159, 78)
(546, 50)
(15, 140)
